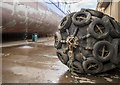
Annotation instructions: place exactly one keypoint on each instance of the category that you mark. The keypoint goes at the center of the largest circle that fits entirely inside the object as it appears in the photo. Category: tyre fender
(77, 67)
(65, 23)
(57, 42)
(92, 62)
(84, 21)
(103, 51)
(112, 25)
(94, 28)
(95, 13)
(108, 66)
(116, 44)
(62, 57)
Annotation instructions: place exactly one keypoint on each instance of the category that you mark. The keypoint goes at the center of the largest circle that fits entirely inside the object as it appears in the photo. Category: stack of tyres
(88, 41)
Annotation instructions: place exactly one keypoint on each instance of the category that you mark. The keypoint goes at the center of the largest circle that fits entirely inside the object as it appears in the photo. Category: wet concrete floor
(38, 63)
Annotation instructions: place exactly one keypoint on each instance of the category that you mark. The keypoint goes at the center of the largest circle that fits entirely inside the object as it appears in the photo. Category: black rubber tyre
(108, 66)
(112, 25)
(119, 25)
(95, 13)
(83, 9)
(116, 31)
(119, 56)
(62, 57)
(109, 16)
(116, 44)
(77, 67)
(92, 66)
(65, 23)
(84, 18)
(57, 43)
(103, 51)
(98, 29)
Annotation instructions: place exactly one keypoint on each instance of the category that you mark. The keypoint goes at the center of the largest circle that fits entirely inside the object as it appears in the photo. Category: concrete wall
(119, 12)
(113, 10)
(107, 10)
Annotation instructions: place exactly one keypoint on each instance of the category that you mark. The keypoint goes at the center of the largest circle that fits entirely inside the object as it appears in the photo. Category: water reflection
(26, 46)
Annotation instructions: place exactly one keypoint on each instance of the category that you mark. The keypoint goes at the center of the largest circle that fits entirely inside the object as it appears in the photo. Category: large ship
(30, 16)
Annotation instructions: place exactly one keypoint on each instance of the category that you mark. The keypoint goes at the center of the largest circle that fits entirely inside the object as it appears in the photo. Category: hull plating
(20, 17)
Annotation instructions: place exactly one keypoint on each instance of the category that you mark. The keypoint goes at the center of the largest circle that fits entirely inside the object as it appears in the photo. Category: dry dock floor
(38, 63)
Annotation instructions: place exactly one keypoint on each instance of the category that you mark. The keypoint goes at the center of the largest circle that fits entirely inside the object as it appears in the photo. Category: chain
(72, 43)
(75, 39)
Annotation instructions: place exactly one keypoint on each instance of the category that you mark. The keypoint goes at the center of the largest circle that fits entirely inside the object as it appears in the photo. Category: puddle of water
(5, 54)
(40, 75)
(108, 79)
(26, 47)
(48, 43)
(50, 56)
(46, 63)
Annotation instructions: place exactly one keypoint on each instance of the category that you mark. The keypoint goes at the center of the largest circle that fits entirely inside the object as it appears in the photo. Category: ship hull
(28, 17)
